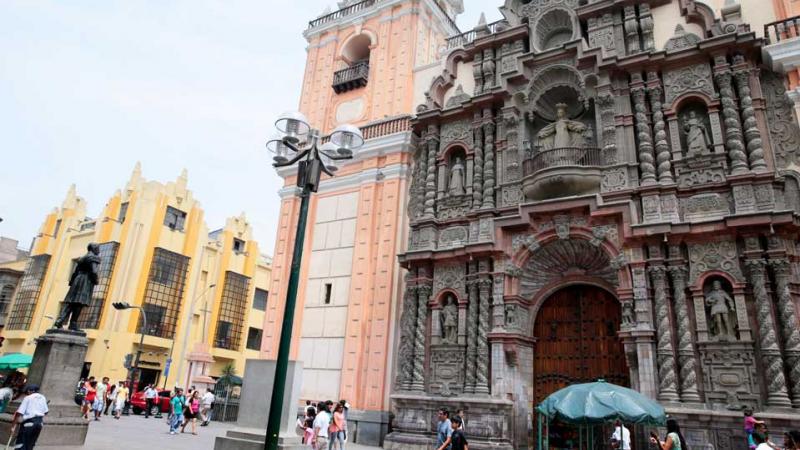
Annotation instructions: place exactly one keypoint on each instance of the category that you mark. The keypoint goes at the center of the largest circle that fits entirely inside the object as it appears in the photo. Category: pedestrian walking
(110, 394)
(191, 411)
(457, 439)
(674, 440)
(176, 410)
(207, 407)
(621, 438)
(150, 399)
(322, 422)
(29, 418)
(338, 428)
(120, 399)
(444, 429)
(89, 400)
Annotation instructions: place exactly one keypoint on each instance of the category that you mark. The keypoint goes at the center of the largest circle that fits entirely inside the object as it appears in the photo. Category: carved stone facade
(678, 204)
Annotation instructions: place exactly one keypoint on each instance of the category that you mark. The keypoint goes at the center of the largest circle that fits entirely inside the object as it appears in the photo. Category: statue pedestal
(56, 368)
(251, 426)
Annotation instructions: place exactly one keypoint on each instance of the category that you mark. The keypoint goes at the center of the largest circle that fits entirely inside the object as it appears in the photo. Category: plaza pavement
(137, 433)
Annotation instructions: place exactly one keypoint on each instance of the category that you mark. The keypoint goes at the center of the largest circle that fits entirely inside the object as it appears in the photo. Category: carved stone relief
(701, 169)
(460, 130)
(614, 180)
(450, 276)
(563, 257)
(721, 312)
(729, 373)
(714, 256)
(783, 129)
(451, 237)
(422, 239)
(447, 370)
(705, 207)
(696, 78)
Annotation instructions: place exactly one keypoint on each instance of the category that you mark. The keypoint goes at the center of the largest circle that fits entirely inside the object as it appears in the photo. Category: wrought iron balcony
(353, 77)
(782, 37)
(562, 172)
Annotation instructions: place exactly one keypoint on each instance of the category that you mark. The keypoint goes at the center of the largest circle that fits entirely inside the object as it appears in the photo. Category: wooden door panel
(577, 342)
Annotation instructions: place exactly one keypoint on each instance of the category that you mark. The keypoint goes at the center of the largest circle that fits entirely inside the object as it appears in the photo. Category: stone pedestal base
(56, 368)
(251, 426)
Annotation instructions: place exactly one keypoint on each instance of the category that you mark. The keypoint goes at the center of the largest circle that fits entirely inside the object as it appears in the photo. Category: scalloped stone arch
(556, 77)
(446, 80)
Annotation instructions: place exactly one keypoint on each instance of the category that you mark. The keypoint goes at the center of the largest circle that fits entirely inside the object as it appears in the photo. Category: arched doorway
(576, 340)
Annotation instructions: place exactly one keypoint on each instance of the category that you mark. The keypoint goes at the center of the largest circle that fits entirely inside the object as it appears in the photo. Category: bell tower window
(355, 56)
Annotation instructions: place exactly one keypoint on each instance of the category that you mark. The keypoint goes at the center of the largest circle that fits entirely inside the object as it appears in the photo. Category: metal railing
(356, 7)
(782, 30)
(562, 157)
(463, 39)
(353, 77)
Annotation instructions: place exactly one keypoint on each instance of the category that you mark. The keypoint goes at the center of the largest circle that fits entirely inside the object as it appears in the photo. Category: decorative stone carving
(631, 30)
(563, 133)
(477, 73)
(408, 322)
(721, 308)
(705, 207)
(456, 236)
(729, 371)
(450, 276)
(488, 69)
(752, 135)
(601, 34)
(458, 131)
(606, 102)
(733, 126)
(614, 180)
(430, 179)
(482, 361)
(457, 180)
(422, 239)
(681, 39)
(646, 160)
(744, 198)
(472, 330)
(447, 375)
(628, 314)
(418, 376)
(777, 393)
(701, 169)
(511, 195)
(698, 141)
(452, 207)
(552, 261)
(449, 319)
(477, 165)
(534, 10)
(784, 131)
(714, 256)
(696, 78)
(665, 353)
(687, 362)
(416, 196)
(488, 168)
(459, 97)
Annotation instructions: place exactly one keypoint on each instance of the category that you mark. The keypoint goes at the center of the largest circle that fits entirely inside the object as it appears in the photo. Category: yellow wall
(210, 256)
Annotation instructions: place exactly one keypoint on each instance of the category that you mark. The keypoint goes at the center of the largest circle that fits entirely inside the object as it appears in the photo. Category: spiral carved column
(423, 296)
(777, 394)
(408, 323)
(643, 132)
(665, 353)
(752, 135)
(488, 168)
(663, 154)
(472, 335)
(430, 179)
(687, 361)
(733, 126)
(482, 361)
(477, 171)
(789, 326)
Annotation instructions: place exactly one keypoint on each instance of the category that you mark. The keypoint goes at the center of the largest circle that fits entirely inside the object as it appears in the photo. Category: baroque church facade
(603, 189)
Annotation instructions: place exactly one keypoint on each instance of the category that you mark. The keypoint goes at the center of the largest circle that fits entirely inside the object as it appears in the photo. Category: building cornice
(355, 180)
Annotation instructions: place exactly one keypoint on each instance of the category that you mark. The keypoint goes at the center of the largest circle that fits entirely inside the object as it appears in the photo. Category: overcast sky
(87, 88)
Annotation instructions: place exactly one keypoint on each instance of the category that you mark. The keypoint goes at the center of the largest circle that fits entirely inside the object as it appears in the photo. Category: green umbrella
(15, 361)
(601, 402)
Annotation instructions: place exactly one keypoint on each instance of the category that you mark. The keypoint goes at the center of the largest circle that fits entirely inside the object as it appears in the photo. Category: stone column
(660, 129)
(488, 68)
(733, 126)
(472, 334)
(755, 151)
(777, 394)
(646, 24)
(646, 161)
(687, 361)
(482, 347)
(631, 30)
(488, 168)
(477, 73)
(789, 326)
(477, 177)
(665, 352)
(408, 324)
(430, 178)
(423, 296)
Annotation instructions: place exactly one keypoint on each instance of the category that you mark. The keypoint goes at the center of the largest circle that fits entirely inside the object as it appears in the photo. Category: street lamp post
(300, 145)
(122, 306)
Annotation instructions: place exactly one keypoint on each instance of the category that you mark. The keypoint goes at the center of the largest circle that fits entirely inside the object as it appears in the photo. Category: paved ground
(137, 433)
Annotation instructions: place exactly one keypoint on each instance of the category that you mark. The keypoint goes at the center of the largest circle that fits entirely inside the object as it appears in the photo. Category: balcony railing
(385, 127)
(356, 7)
(782, 30)
(562, 157)
(463, 39)
(353, 77)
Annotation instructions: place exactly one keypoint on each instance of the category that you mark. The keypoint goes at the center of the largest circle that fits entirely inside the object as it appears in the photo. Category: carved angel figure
(722, 307)
(457, 178)
(563, 133)
(696, 135)
(450, 321)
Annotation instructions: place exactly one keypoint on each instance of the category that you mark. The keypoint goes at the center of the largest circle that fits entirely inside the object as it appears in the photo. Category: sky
(88, 88)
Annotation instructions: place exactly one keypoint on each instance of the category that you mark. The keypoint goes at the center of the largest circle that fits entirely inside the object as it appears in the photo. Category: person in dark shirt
(457, 439)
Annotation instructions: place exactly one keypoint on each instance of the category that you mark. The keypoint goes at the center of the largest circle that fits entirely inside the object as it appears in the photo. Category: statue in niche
(697, 139)
(628, 313)
(450, 321)
(563, 133)
(722, 312)
(511, 316)
(457, 178)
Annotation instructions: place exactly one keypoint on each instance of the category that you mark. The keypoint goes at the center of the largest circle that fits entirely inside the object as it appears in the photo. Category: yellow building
(204, 293)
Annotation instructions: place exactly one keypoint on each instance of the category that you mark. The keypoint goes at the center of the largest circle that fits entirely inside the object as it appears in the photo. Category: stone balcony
(782, 49)
(562, 172)
(353, 77)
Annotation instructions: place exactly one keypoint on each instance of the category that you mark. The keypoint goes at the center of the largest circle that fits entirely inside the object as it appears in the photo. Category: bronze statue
(722, 306)
(81, 285)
